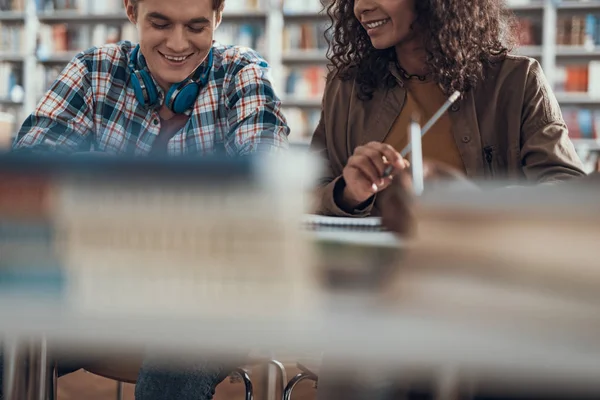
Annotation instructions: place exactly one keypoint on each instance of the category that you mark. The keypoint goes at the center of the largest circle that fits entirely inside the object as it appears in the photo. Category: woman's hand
(364, 172)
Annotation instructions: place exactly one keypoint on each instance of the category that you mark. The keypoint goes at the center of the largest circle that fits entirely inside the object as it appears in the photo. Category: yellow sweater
(423, 99)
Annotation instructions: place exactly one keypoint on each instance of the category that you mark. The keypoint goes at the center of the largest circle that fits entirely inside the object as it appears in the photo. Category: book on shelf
(82, 6)
(528, 31)
(578, 30)
(12, 5)
(517, 3)
(11, 38)
(578, 78)
(46, 77)
(302, 123)
(61, 38)
(244, 5)
(305, 36)
(115, 6)
(305, 82)
(583, 123)
(305, 7)
(251, 35)
(11, 77)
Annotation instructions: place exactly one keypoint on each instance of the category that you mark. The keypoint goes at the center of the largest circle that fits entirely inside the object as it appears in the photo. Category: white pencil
(416, 161)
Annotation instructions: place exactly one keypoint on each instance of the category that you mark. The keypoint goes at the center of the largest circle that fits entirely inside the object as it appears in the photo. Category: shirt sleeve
(62, 121)
(547, 153)
(331, 184)
(256, 122)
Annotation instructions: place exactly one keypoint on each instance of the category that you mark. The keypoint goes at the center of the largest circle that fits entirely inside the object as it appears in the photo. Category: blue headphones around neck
(180, 97)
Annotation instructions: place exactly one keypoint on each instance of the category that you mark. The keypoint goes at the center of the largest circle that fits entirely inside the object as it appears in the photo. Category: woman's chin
(381, 44)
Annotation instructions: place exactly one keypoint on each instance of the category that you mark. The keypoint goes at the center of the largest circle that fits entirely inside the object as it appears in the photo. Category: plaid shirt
(91, 106)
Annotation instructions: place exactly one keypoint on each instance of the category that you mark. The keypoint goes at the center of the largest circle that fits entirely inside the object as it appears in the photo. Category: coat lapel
(372, 121)
(388, 112)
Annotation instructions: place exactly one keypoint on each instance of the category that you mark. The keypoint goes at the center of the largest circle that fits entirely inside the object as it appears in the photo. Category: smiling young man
(176, 92)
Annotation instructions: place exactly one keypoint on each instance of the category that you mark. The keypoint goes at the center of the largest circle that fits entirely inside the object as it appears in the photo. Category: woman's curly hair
(461, 36)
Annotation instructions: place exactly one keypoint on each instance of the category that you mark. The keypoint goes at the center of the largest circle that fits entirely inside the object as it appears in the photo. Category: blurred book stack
(495, 257)
(74, 226)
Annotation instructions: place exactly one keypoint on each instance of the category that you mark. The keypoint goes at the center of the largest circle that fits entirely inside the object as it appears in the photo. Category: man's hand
(364, 172)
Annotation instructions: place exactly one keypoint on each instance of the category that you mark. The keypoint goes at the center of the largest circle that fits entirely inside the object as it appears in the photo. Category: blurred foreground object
(527, 254)
(157, 236)
(197, 256)
(397, 202)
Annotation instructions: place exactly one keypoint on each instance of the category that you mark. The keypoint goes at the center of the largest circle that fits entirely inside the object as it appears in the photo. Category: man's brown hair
(218, 5)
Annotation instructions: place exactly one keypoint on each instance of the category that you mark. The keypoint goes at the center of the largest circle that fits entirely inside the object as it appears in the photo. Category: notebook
(319, 222)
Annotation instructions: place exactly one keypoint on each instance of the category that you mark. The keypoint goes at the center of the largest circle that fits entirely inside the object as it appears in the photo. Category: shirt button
(155, 122)
(466, 139)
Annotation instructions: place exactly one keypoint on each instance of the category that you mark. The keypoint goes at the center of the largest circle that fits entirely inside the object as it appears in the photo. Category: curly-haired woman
(393, 60)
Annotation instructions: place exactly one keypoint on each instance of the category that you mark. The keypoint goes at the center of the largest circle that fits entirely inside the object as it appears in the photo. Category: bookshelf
(38, 38)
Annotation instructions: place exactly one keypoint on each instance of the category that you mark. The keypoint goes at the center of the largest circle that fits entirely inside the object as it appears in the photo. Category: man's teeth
(171, 58)
(373, 25)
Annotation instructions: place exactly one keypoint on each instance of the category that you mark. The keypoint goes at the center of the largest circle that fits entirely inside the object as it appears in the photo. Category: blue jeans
(159, 381)
(197, 381)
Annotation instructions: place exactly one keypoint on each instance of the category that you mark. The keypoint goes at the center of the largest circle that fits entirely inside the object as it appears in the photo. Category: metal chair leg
(282, 374)
(247, 382)
(119, 390)
(53, 383)
(26, 370)
(287, 393)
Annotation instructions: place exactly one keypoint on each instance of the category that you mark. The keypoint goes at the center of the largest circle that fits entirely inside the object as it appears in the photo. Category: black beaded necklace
(408, 76)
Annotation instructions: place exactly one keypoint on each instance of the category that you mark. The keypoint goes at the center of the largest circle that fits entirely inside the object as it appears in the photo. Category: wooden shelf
(579, 5)
(577, 99)
(12, 16)
(11, 57)
(306, 16)
(529, 51)
(80, 18)
(243, 15)
(120, 17)
(588, 144)
(305, 57)
(533, 6)
(298, 102)
(577, 51)
(60, 58)
(6, 101)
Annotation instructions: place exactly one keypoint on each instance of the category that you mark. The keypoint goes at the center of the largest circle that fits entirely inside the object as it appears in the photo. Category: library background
(38, 38)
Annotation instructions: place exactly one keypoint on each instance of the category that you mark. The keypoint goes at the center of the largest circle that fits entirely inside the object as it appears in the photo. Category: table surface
(399, 340)
(349, 334)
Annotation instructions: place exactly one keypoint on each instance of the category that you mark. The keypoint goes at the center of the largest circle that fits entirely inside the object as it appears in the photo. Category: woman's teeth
(376, 24)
